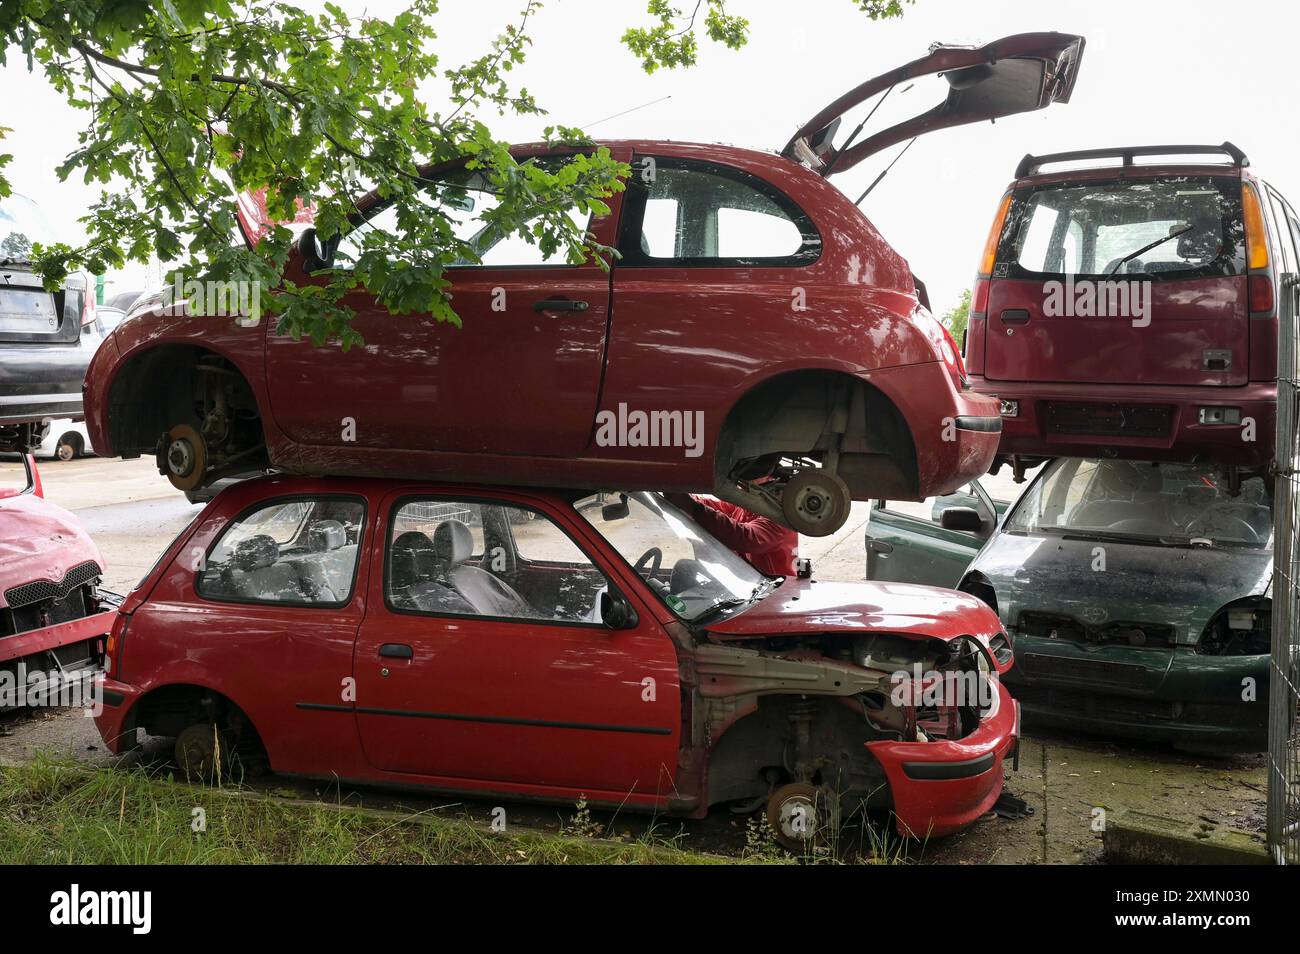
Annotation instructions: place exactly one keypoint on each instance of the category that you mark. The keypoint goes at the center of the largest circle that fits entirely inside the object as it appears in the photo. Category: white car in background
(66, 440)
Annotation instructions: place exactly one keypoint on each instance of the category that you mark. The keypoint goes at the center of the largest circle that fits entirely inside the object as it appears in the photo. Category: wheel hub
(180, 457)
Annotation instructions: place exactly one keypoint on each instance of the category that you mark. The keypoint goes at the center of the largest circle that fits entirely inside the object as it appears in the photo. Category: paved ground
(133, 513)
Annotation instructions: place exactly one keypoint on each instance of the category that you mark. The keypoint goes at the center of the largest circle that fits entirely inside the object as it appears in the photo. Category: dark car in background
(46, 338)
(1130, 309)
(1137, 593)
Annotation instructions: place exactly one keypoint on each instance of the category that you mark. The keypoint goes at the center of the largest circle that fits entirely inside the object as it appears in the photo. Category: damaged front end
(836, 723)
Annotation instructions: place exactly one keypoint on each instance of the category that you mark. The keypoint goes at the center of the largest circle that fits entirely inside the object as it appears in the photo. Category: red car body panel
(426, 406)
(547, 711)
(1113, 369)
(40, 541)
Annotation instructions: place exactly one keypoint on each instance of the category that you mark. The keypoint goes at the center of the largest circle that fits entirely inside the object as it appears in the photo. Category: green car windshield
(1166, 503)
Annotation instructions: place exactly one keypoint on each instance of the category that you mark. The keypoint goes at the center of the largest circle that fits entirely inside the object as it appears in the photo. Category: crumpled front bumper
(941, 787)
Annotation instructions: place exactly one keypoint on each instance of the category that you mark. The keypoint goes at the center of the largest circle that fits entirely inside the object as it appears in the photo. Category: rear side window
(299, 552)
(1158, 228)
(692, 213)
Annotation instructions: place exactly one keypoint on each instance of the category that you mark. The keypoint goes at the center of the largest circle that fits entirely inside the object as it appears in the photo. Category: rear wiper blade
(1148, 247)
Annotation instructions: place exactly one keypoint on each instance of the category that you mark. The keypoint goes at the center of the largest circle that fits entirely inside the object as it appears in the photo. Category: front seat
(453, 544)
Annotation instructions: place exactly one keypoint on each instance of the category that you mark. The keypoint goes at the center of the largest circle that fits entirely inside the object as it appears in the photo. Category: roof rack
(1031, 164)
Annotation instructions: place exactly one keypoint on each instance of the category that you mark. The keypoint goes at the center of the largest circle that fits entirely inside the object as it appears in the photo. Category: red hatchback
(756, 338)
(541, 644)
(1130, 308)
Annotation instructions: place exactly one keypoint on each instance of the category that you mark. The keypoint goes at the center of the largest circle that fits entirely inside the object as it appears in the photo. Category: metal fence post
(1284, 671)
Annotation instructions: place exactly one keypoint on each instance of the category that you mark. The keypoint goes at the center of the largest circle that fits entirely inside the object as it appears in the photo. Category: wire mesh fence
(1284, 726)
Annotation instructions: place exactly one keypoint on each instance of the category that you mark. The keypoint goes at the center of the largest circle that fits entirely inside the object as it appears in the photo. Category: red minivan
(1129, 308)
(756, 337)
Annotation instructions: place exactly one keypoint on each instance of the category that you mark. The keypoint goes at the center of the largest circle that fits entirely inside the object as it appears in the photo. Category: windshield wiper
(733, 601)
(1148, 247)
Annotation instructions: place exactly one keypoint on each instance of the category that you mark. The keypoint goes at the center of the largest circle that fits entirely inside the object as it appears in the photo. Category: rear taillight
(979, 299)
(956, 362)
(1261, 293)
(113, 648)
(1256, 234)
(995, 234)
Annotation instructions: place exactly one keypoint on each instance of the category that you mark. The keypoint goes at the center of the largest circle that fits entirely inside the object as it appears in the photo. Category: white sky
(1183, 71)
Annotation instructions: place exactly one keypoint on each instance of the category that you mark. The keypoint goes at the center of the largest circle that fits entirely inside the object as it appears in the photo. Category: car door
(520, 376)
(483, 658)
(907, 543)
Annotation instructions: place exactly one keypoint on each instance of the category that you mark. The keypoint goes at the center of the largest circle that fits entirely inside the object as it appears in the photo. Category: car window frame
(987, 510)
(434, 177)
(296, 604)
(395, 506)
(1008, 254)
(637, 194)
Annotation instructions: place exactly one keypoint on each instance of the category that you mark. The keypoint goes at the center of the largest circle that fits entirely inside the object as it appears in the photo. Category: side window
(467, 200)
(301, 551)
(690, 213)
(1282, 233)
(930, 509)
(499, 560)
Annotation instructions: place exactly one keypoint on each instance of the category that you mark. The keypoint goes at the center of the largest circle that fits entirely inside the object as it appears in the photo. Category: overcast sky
(1152, 72)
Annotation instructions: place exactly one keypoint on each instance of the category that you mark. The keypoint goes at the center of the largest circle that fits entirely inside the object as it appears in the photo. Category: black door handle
(1015, 316)
(560, 304)
(396, 651)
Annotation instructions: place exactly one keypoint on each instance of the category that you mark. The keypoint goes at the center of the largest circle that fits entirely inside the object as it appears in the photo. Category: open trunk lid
(1016, 74)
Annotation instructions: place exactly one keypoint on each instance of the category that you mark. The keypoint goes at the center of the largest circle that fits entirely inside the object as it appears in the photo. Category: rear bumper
(52, 637)
(1173, 696)
(955, 432)
(941, 787)
(1187, 439)
(116, 721)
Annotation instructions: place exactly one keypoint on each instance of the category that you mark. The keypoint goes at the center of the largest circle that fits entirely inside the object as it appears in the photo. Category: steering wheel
(653, 554)
(1224, 525)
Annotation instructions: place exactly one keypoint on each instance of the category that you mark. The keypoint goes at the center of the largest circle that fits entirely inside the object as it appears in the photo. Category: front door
(906, 543)
(482, 657)
(520, 376)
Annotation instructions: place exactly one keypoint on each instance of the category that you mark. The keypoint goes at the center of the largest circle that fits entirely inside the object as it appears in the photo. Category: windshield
(1146, 502)
(693, 573)
(1159, 228)
(21, 224)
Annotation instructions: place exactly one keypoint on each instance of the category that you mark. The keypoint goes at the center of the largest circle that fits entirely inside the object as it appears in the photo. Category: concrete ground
(1073, 783)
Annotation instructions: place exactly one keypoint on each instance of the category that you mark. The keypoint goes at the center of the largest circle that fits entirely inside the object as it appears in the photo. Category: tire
(69, 447)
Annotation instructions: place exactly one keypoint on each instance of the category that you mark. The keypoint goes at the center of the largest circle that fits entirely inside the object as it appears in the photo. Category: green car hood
(1178, 586)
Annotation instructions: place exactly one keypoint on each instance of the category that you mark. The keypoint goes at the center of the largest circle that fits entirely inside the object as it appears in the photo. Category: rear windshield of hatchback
(1171, 227)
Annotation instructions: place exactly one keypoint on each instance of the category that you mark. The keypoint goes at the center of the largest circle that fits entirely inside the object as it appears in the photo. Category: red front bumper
(941, 787)
(52, 637)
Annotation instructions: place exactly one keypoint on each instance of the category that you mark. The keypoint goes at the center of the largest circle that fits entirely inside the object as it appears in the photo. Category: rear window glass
(1158, 228)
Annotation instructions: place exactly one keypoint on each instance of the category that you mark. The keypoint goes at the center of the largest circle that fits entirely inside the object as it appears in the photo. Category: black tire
(70, 447)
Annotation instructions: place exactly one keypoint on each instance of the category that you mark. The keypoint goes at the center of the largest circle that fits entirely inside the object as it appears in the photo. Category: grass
(62, 813)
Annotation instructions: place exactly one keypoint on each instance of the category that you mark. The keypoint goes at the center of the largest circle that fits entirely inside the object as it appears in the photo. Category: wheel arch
(796, 405)
(167, 708)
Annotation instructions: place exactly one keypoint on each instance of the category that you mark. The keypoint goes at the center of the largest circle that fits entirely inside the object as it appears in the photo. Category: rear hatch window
(29, 313)
(1133, 280)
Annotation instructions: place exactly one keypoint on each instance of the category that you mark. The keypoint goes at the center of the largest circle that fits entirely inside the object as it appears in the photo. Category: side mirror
(616, 511)
(316, 254)
(964, 519)
(615, 612)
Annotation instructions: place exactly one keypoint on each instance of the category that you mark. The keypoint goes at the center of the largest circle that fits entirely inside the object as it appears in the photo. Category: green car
(1137, 593)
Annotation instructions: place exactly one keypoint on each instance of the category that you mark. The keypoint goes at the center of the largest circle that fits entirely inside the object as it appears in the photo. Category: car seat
(453, 544)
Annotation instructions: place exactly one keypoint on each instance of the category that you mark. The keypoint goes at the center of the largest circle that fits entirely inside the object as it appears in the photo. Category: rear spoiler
(1031, 164)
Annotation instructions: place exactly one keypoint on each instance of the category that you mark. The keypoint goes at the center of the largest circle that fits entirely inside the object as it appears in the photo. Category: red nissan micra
(1126, 306)
(542, 644)
(755, 338)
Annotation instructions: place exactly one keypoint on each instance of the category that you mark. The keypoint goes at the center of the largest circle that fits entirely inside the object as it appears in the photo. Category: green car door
(931, 541)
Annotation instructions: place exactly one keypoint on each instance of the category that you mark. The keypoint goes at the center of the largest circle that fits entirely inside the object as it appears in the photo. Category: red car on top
(756, 338)
(1130, 308)
(545, 644)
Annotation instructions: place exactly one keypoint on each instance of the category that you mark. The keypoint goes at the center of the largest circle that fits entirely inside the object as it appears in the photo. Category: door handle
(560, 304)
(1015, 316)
(880, 546)
(396, 651)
